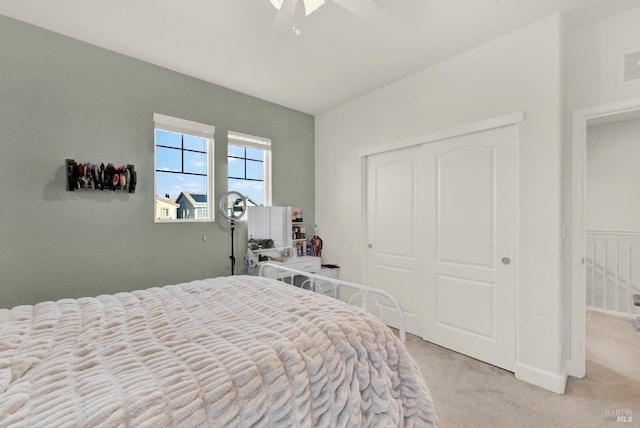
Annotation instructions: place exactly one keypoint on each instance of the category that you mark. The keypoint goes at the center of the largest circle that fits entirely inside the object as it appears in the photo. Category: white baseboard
(554, 382)
(608, 312)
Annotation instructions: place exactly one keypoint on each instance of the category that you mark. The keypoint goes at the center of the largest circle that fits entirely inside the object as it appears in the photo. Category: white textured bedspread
(236, 351)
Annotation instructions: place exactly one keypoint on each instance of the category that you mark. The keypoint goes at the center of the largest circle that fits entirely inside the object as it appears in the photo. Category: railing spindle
(605, 270)
(615, 278)
(628, 286)
(593, 271)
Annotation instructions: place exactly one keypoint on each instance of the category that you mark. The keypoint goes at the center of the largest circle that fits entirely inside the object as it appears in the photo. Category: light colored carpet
(470, 394)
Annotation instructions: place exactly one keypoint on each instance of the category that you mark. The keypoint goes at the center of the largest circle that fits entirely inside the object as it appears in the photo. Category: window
(249, 167)
(183, 170)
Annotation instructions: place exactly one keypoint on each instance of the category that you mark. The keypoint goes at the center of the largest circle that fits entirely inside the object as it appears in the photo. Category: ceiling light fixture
(310, 6)
(290, 10)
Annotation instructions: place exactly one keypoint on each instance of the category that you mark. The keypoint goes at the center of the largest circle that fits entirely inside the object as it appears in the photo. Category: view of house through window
(183, 170)
(249, 167)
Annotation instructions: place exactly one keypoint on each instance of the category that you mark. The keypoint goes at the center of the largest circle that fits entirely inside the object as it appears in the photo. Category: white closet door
(393, 247)
(469, 207)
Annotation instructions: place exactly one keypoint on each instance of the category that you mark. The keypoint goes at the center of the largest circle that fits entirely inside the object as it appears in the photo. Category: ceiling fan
(288, 10)
(310, 6)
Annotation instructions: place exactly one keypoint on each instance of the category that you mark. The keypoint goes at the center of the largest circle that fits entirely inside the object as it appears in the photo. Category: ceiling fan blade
(311, 6)
(277, 3)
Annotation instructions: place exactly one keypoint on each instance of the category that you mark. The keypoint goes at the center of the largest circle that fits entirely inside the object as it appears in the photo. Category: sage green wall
(61, 98)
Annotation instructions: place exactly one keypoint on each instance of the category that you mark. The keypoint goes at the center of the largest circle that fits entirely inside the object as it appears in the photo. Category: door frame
(577, 361)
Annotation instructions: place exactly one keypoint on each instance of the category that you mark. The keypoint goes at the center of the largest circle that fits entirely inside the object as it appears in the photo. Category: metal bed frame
(366, 293)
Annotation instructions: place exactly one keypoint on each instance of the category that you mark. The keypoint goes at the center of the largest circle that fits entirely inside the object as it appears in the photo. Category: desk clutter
(94, 176)
(260, 244)
(275, 233)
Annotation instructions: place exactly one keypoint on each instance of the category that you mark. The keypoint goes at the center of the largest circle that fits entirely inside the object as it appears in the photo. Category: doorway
(581, 119)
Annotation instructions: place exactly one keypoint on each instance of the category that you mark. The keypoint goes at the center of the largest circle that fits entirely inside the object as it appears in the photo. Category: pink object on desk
(316, 243)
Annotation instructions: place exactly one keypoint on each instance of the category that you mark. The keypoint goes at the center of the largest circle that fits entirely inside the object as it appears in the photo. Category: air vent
(631, 64)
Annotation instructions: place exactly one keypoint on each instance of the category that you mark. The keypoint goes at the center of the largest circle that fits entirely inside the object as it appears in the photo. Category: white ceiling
(243, 44)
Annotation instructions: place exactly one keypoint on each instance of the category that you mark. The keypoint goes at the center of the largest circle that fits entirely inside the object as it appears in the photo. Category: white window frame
(183, 126)
(239, 139)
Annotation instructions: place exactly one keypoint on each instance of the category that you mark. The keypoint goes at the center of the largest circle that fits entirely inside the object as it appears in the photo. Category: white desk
(309, 264)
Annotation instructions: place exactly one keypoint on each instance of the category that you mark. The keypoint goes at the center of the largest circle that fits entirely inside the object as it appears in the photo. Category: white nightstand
(325, 287)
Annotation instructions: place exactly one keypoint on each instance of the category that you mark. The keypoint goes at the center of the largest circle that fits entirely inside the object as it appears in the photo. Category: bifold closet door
(469, 213)
(393, 246)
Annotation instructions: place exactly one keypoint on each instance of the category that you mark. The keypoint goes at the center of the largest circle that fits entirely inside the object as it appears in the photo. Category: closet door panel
(392, 221)
(469, 214)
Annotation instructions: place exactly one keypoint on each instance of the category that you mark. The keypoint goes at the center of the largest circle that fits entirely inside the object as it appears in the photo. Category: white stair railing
(612, 266)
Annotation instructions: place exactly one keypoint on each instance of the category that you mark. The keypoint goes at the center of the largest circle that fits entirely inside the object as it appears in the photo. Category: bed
(229, 351)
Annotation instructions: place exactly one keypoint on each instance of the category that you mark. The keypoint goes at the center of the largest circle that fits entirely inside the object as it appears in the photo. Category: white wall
(61, 98)
(593, 61)
(518, 72)
(613, 176)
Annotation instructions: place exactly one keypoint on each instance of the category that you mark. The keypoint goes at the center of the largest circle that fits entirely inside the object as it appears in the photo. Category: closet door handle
(506, 261)
(370, 246)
